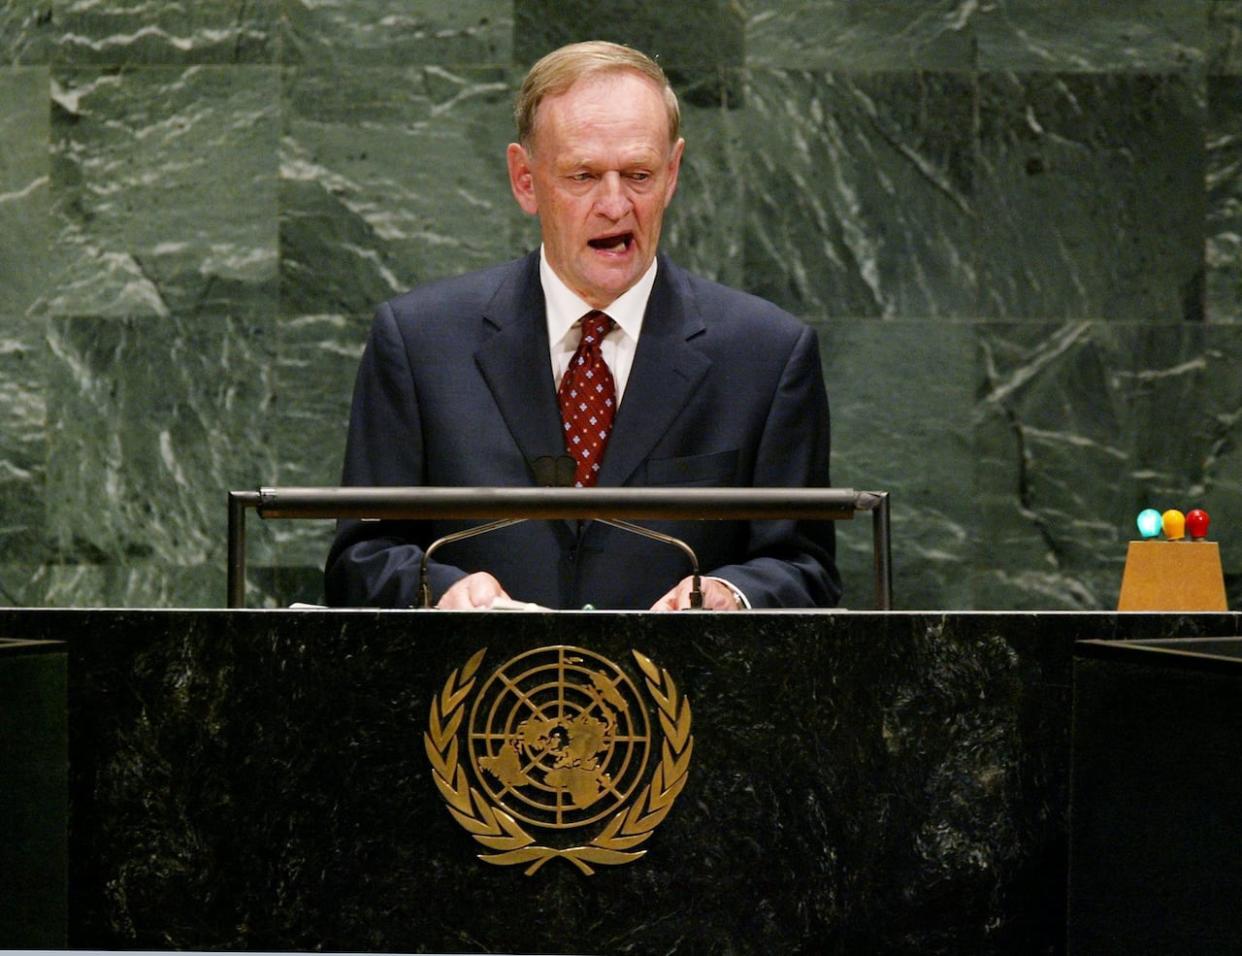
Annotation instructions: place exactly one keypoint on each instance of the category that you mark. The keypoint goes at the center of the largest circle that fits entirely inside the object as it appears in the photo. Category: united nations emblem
(559, 739)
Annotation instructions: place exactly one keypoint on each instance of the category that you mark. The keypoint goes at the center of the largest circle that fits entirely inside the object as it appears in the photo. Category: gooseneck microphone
(557, 471)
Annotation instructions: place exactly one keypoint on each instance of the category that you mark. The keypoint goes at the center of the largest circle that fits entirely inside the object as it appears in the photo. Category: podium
(859, 782)
(34, 794)
(1157, 797)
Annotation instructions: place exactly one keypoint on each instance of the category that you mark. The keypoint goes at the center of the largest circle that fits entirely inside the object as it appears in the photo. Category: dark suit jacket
(455, 389)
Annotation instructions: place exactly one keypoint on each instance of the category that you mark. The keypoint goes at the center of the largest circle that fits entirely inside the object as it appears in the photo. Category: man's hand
(716, 596)
(476, 590)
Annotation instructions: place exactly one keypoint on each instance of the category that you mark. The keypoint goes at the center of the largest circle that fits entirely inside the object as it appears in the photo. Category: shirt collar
(564, 307)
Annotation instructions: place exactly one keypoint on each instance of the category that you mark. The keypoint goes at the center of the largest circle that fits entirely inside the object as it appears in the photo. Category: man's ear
(521, 178)
(674, 167)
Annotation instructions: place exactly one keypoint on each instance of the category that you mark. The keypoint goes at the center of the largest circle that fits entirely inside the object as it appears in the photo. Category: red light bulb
(1197, 522)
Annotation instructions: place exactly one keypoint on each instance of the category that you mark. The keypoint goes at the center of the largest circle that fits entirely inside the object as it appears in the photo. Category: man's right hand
(476, 590)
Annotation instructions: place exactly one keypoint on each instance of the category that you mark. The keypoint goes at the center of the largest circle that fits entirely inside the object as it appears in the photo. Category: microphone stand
(558, 471)
(424, 586)
(696, 587)
(549, 503)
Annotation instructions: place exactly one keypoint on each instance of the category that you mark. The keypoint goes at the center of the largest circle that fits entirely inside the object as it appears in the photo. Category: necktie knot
(595, 326)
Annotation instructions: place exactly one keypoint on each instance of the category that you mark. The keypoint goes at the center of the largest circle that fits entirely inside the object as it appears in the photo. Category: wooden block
(1172, 576)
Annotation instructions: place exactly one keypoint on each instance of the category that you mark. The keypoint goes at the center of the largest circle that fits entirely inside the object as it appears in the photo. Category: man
(595, 347)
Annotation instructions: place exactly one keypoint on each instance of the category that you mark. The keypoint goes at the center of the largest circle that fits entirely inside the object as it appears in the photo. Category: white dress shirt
(564, 309)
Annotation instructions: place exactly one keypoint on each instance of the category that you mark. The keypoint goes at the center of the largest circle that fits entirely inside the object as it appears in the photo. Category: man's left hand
(716, 596)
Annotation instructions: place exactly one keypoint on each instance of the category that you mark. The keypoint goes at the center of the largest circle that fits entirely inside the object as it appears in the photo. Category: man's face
(599, 174)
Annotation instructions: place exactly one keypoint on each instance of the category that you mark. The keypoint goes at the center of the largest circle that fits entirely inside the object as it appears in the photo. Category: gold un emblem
(559, 739)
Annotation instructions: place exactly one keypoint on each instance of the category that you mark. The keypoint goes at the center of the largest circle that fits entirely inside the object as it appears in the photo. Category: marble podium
(34, 794)
(1157, 797)
(859, 782)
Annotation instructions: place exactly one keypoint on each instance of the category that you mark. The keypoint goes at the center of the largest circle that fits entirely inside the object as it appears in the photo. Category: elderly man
(597, 348)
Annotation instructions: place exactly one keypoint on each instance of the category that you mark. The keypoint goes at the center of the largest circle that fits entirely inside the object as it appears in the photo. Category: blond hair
(561, 69)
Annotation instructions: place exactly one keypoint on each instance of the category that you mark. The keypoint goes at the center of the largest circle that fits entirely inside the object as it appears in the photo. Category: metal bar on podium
(709, 504)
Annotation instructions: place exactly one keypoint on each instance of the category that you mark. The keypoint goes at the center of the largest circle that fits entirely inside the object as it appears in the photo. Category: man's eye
(581, 177)
(640, 177)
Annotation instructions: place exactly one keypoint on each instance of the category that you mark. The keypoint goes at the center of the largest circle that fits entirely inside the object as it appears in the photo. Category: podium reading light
(556, 503)
(1149, 522)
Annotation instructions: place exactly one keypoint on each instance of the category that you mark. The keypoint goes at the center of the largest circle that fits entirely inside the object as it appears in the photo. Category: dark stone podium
(859, 782)
(1156, 841)
(34, 794)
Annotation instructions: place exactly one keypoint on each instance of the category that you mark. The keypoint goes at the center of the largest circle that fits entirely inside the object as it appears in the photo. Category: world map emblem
(559, 744)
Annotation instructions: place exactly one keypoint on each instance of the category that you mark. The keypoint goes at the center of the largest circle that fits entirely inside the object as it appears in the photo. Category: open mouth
(621, 242)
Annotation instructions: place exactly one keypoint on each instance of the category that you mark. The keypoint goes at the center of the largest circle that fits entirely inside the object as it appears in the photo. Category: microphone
(557, 471)
(553, 471)
(424, 586)
(550, 472)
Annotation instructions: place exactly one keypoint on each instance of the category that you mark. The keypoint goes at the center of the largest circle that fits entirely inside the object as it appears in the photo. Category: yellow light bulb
(1174, 523)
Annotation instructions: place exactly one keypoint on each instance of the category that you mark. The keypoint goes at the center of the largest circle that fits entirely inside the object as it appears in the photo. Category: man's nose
(611, 200)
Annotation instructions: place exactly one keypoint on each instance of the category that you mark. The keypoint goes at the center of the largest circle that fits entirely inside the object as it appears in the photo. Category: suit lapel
(513, 360)
(665, 373)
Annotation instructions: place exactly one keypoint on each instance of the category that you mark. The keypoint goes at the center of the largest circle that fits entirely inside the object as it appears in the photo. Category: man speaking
(597, 348)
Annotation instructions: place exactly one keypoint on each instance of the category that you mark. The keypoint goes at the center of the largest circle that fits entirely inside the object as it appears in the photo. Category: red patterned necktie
(588, 398)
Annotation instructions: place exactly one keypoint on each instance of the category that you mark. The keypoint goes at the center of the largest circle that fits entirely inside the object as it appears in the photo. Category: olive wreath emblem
(500, 832)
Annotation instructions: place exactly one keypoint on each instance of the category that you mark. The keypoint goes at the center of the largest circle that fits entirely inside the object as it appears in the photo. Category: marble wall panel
(1064, 169)
(23, 440)
(143, 31)
(155, 420)
(845, 35)
(314, 378)
(24, 178)
(287, 583)
(151, 584)
(25, 31)
(164, 190)
(704, 227)
(1093, 187)
(1081, 426)
(1225, 37)
(18, 584)
(902, 396)
(861, 193)
(1145, 36)
(1224, 199)
(56, 585)
(391, 177)
(143, 584)
(691, 34)
(337, 33)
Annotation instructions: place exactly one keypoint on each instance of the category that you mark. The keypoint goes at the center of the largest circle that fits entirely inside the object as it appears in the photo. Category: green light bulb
(1149, 522)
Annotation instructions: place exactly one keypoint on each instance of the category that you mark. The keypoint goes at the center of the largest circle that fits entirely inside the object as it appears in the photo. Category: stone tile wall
(1015, 223)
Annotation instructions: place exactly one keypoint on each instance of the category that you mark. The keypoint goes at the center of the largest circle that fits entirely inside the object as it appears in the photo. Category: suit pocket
(718, 468)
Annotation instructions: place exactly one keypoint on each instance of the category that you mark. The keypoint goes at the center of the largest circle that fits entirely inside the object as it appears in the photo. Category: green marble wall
(1015, 223)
